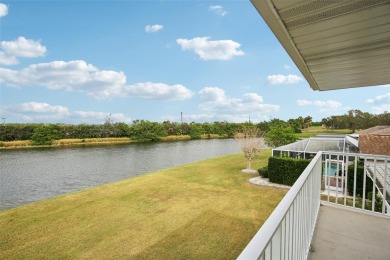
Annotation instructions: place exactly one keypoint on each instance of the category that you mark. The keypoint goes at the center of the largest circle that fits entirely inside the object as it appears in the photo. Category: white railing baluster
(287, 233)
(376, 168)
(384, 190)
(373, 187)
(345, 178)
(327, 175)
(336, 177)
(364, 184)
(354, 184)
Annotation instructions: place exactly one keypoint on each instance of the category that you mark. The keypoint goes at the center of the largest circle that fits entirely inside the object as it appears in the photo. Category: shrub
(368, 202)
(263, 172)
(285, 170)
(45, 134)
(279, 135)
(359, 180)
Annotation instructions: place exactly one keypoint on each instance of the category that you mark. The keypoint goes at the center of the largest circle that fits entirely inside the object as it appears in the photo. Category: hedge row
(284, 170)
(359, 181)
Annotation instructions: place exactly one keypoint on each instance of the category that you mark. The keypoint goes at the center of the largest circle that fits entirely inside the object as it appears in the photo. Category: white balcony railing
(288, 231)
(357, 181)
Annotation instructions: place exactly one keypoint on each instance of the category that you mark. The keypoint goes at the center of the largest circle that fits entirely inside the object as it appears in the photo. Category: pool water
(332, 170)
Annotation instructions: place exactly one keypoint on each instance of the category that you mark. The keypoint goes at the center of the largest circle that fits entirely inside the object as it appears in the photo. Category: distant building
(375, 140)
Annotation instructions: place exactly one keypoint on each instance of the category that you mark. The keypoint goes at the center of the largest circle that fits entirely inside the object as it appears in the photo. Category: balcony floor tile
(345, 234)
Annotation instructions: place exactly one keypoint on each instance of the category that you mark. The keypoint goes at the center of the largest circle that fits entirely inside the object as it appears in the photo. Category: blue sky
(79, 61)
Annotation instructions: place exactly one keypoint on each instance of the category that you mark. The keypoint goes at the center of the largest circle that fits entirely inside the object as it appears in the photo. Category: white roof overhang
(335, 44)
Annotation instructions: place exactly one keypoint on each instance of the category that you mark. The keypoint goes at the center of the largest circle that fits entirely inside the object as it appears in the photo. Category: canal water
(29, 175)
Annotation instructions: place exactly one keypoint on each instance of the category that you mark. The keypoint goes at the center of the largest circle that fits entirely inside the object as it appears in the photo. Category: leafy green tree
(295, 124)
(195, 130)
(142, 130)
(171, 128)
(121, 130)
(307, 122)
(45, 134)
(280, 135)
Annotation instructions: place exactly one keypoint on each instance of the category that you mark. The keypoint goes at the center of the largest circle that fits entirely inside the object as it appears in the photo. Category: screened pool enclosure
(335, 165)
(307, 148)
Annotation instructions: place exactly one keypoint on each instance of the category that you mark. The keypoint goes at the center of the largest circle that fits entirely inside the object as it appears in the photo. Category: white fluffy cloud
(3, 10)
(153, 28)
(380, 109)
(150, 90)
(7, 60)
(328, 106)
(44, 112)
(217, 9)
(211, 50)
(379, 99)
(318, 103)
(37, 107)
(217, 104)
(20, 48)
(85, 78)
(212, 94)
(37, 111)
(70, 76)
(283, 79)
(380, 104)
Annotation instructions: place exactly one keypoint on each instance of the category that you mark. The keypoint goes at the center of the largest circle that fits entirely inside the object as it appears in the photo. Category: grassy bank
(318, 130)
(66, 142)
(91, 141)
(203, 210)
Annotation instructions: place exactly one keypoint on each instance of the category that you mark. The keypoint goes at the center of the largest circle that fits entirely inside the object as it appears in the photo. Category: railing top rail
(357, 154)
(260, 241)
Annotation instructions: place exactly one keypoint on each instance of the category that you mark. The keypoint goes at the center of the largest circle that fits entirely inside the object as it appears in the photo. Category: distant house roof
(377, 130)
(335, 44)
(374, 144)
(375, 140)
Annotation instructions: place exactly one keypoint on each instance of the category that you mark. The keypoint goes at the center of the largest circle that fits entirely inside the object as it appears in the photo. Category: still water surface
(35, 174)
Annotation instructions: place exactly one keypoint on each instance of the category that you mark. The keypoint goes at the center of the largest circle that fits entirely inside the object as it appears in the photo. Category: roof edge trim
(267, 11)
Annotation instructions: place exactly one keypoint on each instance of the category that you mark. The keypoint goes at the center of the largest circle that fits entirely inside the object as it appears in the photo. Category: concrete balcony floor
(346, 234)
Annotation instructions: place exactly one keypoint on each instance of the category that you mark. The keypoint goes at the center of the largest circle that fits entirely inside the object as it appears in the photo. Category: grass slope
(196, 211)
(318, 130)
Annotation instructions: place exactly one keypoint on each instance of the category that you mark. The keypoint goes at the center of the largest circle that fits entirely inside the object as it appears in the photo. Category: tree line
(138, 130)
(356, 119)
(143, 130)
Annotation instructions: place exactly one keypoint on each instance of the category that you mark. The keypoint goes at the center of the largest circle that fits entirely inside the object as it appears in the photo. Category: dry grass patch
(175, 138)
(107, 140)
(201, 210)
(213, 136)
(10, 144)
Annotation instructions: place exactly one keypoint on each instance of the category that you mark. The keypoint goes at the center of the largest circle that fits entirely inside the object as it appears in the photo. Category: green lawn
(318, 130)
(204, 210)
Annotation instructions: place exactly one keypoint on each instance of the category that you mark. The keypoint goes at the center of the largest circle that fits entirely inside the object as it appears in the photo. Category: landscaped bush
(263, 172)
(359, 181)
(285, 170)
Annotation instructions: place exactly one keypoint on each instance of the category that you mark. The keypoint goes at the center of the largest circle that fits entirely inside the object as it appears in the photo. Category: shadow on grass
(211, 234)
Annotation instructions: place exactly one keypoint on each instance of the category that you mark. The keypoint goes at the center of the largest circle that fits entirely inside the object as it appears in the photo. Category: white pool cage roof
(305, 148)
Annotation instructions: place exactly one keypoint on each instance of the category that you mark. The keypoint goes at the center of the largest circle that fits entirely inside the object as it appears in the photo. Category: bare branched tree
(251, 143)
